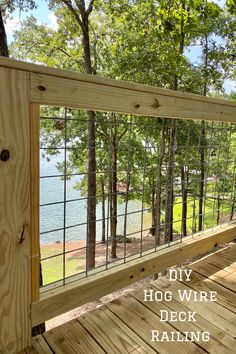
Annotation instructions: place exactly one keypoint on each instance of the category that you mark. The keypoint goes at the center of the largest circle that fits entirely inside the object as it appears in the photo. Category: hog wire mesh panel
(157, 181)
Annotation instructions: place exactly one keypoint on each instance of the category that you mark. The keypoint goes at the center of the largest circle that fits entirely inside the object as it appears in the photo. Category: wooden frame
(24, 88)
(62, 88)
(15, 294)
(94, 287)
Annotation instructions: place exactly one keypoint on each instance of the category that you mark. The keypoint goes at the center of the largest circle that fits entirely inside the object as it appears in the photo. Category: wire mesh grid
(156, 183)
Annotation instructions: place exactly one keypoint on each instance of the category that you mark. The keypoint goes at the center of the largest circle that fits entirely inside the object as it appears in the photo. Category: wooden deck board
(141, 320)
(228, 280)
(39, 345)
(125, 324)
(220, 341)
(212, 311)
(225, 297)
(124, 340)
(71, 338)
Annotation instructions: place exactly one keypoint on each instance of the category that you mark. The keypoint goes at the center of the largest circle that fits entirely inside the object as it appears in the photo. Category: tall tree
(81, 14)
(6, 7)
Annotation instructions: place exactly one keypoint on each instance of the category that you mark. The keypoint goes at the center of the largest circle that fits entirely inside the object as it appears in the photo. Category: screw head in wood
(5, 155)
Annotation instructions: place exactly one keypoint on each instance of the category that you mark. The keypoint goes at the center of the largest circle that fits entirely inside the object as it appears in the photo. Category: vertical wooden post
(15, 273)
(34, 199)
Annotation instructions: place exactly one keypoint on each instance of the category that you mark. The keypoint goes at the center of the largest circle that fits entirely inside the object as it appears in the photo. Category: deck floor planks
(40, 346)
(228, 252)
(71, 338)
(124, 325)
(141, 320)
(212, 311)
(225, 297)
(111, 333)
(220, 341)
(222, 261)
(228, 280)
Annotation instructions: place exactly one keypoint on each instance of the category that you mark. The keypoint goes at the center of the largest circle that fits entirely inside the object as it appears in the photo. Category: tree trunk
(3, 38)
(113, 204)
(203, 135)
(91, 234)
(170, 182)
(153, 228)
(159, 188)
(194, 226)
(170, 168)
(232, 209)
(103, 212)
(218, 209)
(184, 201)
(202, 176)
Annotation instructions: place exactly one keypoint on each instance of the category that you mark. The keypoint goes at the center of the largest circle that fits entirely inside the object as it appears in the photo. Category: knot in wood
(156, 104)
(5, 155)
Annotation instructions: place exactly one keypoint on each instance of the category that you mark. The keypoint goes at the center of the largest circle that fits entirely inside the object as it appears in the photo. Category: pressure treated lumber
(59, 87)
(221, 277)
(15, 326)
(220, 341)
(40, 346)
(121, 339)
(34, 195)
(225, 297)
(56, 301)
(141, 320)
(50, 90)
(215, 313)
(72, 338)
(107, 324)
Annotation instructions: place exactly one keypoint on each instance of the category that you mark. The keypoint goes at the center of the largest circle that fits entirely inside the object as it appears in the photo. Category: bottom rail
(68, 297)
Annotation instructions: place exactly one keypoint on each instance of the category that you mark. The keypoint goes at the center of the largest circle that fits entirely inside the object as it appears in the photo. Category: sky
(46, 16)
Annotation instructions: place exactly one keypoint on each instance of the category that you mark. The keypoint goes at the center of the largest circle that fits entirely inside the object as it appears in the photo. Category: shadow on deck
(125, 325)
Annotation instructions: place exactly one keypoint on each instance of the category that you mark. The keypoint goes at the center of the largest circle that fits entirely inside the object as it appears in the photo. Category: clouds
(229, 85)
(52, 21)
(11, 25)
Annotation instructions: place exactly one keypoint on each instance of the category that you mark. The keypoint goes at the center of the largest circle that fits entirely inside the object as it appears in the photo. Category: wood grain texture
(72, 338)
(141, 320)
(39, 69)
(225, 297)
(220, 276)
(213, 312)
(56, 301)
(15, 327)
(101, 322)
(125, 324)
(101, 97)
(220, 341)
(34, 199)
(39, 346)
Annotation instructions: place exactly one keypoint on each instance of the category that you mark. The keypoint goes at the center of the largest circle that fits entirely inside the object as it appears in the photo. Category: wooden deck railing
(24, 87)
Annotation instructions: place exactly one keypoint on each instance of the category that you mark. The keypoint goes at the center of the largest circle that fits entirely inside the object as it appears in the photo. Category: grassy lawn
(209, 219)
(53, 267)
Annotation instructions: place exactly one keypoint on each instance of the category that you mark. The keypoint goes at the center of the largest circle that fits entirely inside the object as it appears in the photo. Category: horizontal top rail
(72, 89)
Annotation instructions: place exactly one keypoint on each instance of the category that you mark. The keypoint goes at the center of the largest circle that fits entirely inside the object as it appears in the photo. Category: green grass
(209, 218)
(53, 268)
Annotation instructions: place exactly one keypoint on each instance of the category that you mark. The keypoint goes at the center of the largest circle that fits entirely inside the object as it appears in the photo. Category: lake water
(52, 216)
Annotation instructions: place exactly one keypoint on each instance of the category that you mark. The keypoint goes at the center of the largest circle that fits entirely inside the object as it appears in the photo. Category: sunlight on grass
(53, 268)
